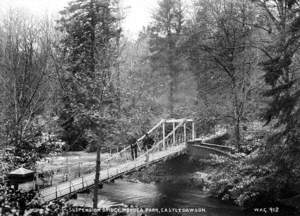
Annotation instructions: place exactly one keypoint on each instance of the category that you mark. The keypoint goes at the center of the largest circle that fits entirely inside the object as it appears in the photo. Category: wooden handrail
(178, 120)
(230, 156)
(160, 142)
(218, 146)
(141, 138)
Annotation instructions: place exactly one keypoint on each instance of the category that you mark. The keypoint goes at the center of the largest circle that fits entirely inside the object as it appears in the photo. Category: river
(161, 194)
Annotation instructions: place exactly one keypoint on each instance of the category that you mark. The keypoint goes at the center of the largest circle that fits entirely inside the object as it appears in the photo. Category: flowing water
(161, 195)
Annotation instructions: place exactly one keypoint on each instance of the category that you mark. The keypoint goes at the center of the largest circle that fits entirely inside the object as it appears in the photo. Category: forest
(75, 82)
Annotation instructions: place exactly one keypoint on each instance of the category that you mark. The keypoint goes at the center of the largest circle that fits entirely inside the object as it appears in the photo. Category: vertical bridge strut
(170, 136)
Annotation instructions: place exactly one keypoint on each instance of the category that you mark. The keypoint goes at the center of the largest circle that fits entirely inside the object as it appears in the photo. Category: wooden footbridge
(171, 137)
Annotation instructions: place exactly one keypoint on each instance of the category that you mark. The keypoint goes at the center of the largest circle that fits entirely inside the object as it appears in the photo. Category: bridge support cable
(124, 153)
(169, 144)
(184, 132)
(174, 133)
(160, 144)
(164, 134)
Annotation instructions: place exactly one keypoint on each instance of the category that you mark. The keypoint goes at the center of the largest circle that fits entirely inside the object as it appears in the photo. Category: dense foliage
(79, 83)
(90, 31)
(271, 173)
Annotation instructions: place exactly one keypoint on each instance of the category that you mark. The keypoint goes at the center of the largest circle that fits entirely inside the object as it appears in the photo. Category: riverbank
(198, 174)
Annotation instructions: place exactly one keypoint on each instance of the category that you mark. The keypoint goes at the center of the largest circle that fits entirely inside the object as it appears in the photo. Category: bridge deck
(86, 181)
(120, 163)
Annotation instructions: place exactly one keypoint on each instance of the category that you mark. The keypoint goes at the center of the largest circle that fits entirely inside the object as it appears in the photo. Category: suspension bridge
(171, 137)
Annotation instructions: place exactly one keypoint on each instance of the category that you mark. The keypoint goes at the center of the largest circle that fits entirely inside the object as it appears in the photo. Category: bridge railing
(181, 131)
(125, 155)
(167, 141)
(72, 171)
(122, 161)
(126, 152)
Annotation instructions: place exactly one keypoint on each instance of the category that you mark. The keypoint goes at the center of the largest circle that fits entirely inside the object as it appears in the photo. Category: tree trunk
(237, 118)
(237, 134)
(97, 176)
(173, 76)
(201, 95)
(93, 38)
(118, 79)
(171, 97)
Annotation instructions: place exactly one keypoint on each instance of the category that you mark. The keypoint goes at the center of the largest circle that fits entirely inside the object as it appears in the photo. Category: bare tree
(25, 76)
(225, 43)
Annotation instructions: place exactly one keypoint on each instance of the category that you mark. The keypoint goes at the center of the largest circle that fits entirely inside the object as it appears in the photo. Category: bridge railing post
(174, 134)
(193, 131)
(56, 192)
(164, 134)
(184, 132)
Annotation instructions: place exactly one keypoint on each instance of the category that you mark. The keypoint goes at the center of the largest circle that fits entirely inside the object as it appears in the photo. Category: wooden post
(56, 191)
(67, 167)
(174, 133)
(97, 176)
(36, 185)
(184, 132)
(51, 178)
(164, 134)
(79, 169)
(193, 131)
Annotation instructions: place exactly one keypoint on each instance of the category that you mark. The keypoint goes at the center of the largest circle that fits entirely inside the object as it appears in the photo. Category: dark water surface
(162, 195)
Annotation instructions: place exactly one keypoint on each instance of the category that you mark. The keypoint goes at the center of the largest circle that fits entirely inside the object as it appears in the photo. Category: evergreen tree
(89, 46)
(165, 33)
(283, 111)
